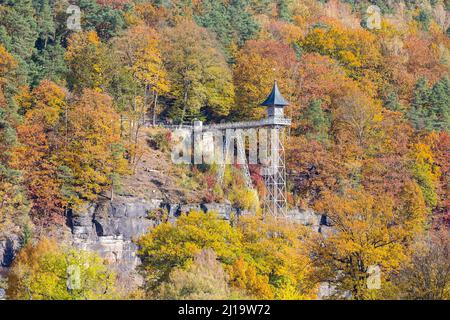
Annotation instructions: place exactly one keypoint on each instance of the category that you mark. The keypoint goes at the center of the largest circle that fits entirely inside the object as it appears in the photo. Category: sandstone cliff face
(110, 228)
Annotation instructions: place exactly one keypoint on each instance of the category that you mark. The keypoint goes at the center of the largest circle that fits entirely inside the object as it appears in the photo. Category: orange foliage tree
(37, 153)
(93, 154)
(440, 146)
(258, 64)
(67, 153)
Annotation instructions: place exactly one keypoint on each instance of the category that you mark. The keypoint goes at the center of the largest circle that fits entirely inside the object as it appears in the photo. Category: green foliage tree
(230, 21)
(440, 104)
(201, 81)
(284, 9)
(392, 102)
(18, 31)
(13, 204)
(45, 22)
(430, 107)
(420, 106)
(424, 18)
(316, 122)
(47, 57)
(48, 63)
(105, 20)
(7, 111)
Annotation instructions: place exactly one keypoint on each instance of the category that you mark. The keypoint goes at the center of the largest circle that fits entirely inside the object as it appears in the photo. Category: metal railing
(272, 121)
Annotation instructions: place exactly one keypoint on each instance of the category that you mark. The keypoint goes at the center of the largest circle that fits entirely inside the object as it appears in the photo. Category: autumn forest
(368, 149)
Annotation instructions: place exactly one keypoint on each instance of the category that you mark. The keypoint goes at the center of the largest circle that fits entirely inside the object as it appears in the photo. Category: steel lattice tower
(274, 168)
(275, 200)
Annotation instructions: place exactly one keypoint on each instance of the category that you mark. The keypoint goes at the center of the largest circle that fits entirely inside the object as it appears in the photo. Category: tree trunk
(184, 103)
(154, 108)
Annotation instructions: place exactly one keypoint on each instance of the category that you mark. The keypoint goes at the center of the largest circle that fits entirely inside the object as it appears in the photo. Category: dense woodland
(369, 145)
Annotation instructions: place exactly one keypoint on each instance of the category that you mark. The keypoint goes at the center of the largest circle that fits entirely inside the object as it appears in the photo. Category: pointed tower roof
(275, 98)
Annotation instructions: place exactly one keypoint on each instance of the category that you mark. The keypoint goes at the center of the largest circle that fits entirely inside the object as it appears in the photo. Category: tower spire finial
(275, 98)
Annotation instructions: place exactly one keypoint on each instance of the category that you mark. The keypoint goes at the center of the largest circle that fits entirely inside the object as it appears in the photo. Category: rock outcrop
(110, 228)
(8, 249)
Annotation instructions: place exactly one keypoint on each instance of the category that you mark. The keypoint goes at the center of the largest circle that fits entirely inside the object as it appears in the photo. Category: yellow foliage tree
(425, 172)
(89, 62)
(203, 279)
(142, 79)
(244, 277)
(174, 245)
(367, 232)
(245, 199)
(276, 250)
(201, 81)
(258, 64)
(426, 276)
(357, 49)
(264, 260)
(46, 271)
